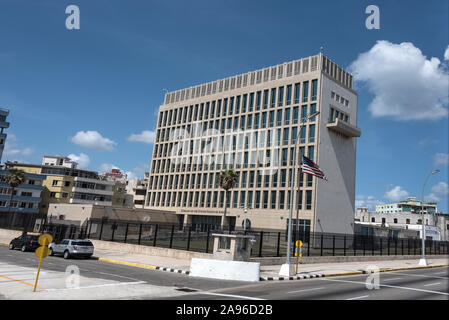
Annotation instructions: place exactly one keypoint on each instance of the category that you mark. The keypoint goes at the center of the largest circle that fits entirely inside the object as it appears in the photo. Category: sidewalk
(267, 273)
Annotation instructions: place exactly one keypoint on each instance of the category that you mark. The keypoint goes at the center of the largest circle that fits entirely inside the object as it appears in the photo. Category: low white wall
(226, 270)
(148, 250)
(7, 235)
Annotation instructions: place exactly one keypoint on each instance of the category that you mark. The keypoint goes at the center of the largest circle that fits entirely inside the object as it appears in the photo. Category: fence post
(321, 251)
(364, 244)
(140, 233)
(308, 245)
(113, 231)
(188, 238)
(278, 245)
(126, 232)
(171, 236)
(344, 246)
(380, 243)
(354, 244)
(408, 246)
(207, 239)
(260, 243)
(155, 235)
(388, 245)
(333, 245)
(90, 227)
(101, 229)
(402, 246)
(372, 244)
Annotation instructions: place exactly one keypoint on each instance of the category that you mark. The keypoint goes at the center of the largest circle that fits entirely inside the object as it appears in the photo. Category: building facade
(26, 198)
(3, 125)
(250, 123)
(411, 205)
(64, 183)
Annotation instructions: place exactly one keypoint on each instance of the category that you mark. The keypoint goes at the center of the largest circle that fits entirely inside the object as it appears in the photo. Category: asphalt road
(419, 284)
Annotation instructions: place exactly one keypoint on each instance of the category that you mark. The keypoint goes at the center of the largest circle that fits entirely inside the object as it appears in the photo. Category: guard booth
(232, 247)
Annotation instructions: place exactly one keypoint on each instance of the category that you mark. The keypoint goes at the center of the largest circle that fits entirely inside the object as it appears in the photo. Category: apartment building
(3, 125)
(250, 123)
(411, 205)
(65, 183)
(137, 191)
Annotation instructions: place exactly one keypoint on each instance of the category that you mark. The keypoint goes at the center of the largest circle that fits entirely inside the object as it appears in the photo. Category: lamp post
(422, 261)
(288, 269)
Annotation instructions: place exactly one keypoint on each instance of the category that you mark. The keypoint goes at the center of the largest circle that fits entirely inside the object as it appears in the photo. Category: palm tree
(227, 180)
(14, 178)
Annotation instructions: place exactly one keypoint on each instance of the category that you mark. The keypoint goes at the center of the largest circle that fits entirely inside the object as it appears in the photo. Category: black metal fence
(266, 244)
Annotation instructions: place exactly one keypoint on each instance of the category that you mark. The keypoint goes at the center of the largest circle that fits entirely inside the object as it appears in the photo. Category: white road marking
(98, 286)
(432, 284)
(388, 279)
(311, 289)
(229, 295)
(388, 286)
(444, 272)
(355, 298)
(419, 275)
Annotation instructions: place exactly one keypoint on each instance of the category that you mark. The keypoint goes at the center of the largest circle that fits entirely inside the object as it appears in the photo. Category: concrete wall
(152, 251)
(335, 202)
(7, 235)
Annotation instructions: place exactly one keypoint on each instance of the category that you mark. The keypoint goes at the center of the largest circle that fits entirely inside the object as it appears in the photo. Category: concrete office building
(3, 125)
(249, 123)
(411, 205)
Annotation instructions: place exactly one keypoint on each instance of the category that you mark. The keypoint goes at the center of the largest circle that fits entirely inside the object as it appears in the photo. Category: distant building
(3, 125)
(137, 191)
(26, 197)
(437, 226)
(115, 175)
(65, 183)
(411, 205)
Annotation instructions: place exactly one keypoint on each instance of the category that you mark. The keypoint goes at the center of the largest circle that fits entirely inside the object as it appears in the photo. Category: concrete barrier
(225, 269)
(333, 259)
(7, 235)
(147, 250)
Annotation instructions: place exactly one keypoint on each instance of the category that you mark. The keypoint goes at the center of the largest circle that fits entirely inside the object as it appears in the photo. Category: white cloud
(367, 201)
(441, 159)
(12, 152)
(82, 159)
(396, 194)
(406, 85)
(446, 53)
(438, 192)
(93, 140)
(107, 167)
(146, 136)
(136, 173)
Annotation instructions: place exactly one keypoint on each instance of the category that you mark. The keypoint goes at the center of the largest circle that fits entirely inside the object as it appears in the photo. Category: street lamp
(422, 261)
(288, 269)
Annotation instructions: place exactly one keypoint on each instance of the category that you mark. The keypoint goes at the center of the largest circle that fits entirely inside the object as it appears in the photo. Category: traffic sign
(42, 252)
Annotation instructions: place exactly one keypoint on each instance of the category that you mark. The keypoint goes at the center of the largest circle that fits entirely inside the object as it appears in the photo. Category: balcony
(344, 128)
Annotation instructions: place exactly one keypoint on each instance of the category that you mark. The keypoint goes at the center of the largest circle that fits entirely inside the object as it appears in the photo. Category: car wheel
(11, 246)
(24, 248)
(66, 254)
(51, 252)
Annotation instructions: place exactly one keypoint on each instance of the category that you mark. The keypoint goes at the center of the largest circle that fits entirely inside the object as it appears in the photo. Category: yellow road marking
(145, 266)
(23, 282)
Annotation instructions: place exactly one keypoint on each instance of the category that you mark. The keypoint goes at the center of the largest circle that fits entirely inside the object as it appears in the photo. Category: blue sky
(103, 83)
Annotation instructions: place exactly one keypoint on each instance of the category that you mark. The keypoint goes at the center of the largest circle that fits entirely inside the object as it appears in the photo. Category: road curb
(144, 266)
(323, 275)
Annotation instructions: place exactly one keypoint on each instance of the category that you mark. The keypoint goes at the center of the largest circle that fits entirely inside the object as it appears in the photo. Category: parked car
(72, 248)
(25, 242)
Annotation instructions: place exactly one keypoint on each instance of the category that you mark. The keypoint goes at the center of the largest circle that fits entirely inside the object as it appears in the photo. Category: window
(52, 194)
(314, 89)
(308, 199)
(279, 117)
(265, 99)
(54, 183)
(297, 92)
(67, 183)
(289, 94)
(281, 96)
(395, 220)
(305, 91)
(373, 219)
(273, 97)
(287, 116)
(312, 133)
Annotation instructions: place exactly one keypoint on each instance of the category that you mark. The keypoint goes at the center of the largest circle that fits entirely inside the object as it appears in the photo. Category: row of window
(260, 120)
(334, 113)
(236, 199)
(19, 204)
(336, 97)
(270, 158)
(236, 142)
(245, 179)
(290, 94)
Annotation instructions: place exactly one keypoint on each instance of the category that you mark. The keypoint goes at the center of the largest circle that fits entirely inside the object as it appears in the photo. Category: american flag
(310, 167)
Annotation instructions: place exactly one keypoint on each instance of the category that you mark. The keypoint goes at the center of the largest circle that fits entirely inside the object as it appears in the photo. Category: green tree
(227, 180)
(14, 178)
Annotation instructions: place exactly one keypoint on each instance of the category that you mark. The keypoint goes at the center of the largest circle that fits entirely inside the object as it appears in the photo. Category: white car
(72, 247)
